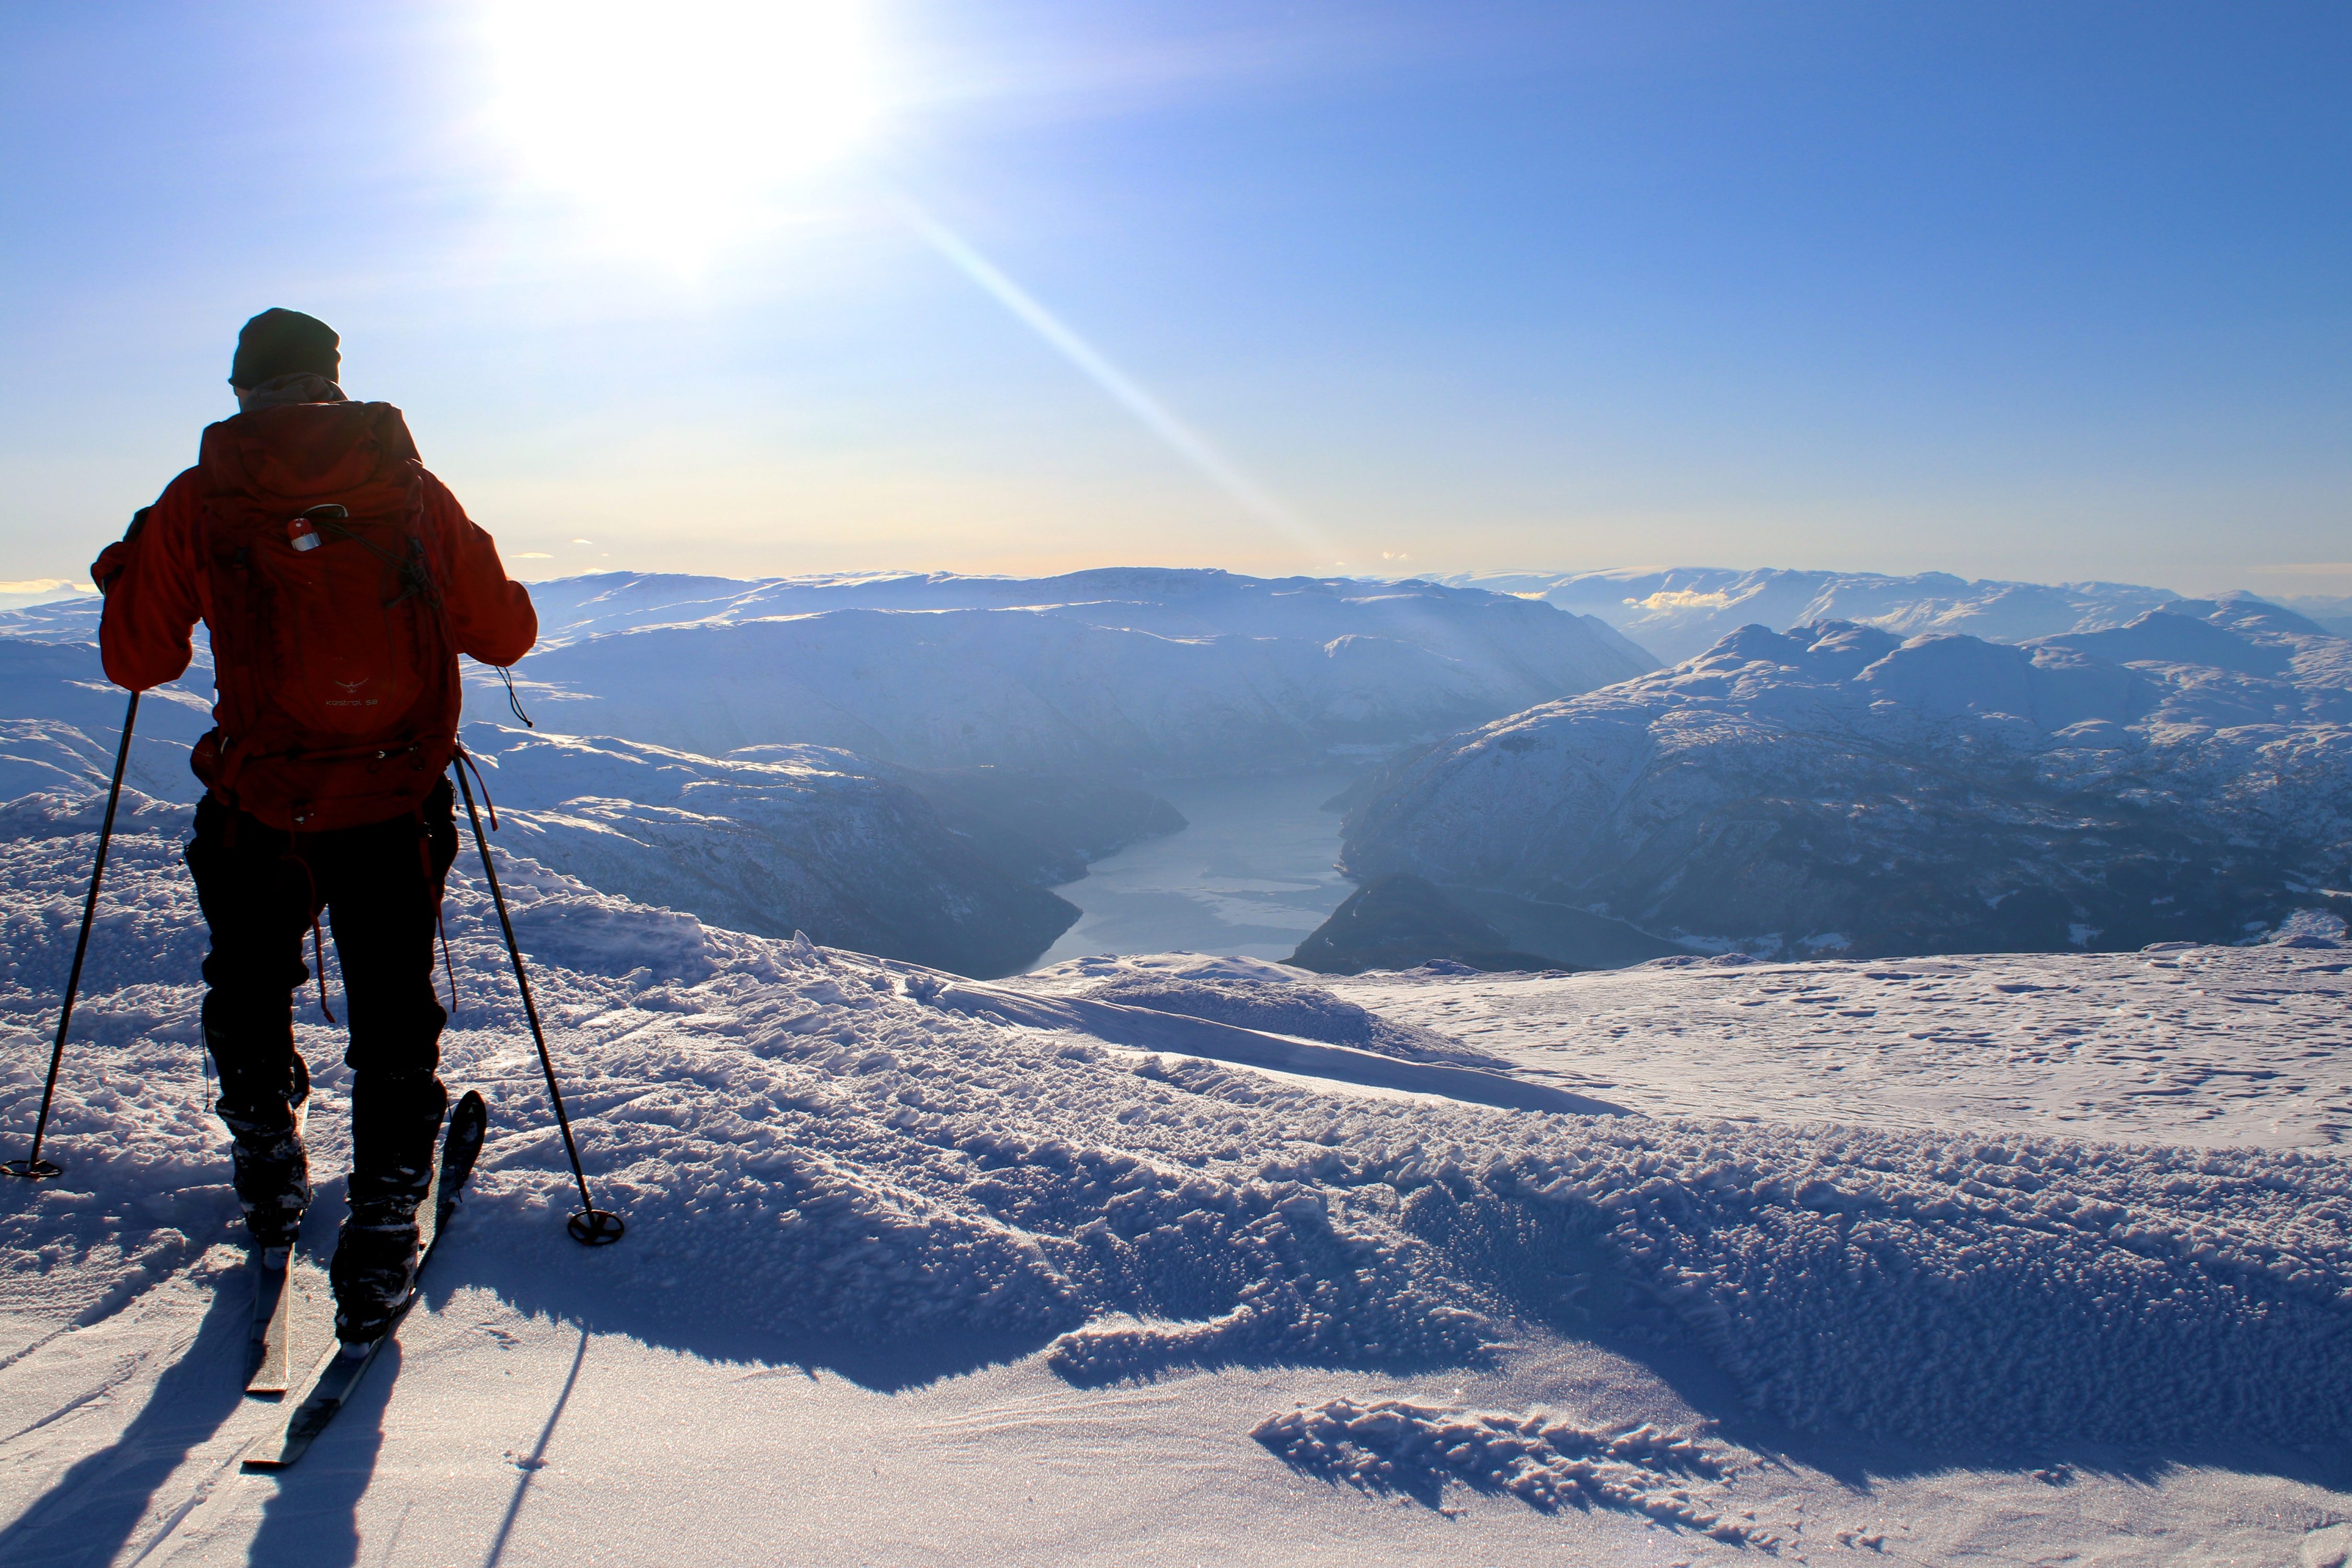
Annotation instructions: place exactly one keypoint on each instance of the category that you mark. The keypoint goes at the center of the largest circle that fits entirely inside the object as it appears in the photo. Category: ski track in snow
(821, 1165)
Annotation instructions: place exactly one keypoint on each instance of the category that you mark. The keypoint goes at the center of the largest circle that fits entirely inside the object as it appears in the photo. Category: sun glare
(679, 124)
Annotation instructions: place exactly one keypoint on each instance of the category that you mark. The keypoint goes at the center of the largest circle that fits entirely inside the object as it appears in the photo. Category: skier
(339, 581)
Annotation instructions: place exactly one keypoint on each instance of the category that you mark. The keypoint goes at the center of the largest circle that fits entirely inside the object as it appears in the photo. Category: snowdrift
(823, 1160)
(1837, 789)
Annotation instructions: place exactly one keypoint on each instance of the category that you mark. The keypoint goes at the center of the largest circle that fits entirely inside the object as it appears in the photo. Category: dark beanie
(279, 342)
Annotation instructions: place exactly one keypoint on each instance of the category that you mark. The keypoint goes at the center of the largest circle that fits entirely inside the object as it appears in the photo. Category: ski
(267, 1371)
(267, 1356)
(339, 1373)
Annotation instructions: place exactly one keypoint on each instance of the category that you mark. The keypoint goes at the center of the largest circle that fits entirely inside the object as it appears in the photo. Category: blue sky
(2031, 290)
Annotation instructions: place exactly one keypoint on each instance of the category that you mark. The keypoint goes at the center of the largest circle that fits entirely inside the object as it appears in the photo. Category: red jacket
(157, 583)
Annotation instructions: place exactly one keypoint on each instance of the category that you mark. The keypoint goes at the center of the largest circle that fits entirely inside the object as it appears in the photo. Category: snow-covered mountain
(948, 868)
(1679, 613)
(941, 869)
(2187, 776)
(2330, 612)
(60, 721)
(1114, 671)
(1147, 669)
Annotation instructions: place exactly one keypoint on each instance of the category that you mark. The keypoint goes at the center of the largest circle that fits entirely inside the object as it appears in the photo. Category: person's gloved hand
(116, 556)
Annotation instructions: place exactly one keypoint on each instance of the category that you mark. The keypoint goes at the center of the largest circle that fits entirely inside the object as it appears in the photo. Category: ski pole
(32, 1167)
(591, 1226)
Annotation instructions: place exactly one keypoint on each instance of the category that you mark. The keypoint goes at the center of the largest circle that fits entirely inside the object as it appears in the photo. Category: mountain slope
(948, 870)
(1837, 789)
(1680, 613)
(1156, 670)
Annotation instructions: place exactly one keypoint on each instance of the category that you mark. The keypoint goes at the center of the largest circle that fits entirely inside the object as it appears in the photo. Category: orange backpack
(339, 695)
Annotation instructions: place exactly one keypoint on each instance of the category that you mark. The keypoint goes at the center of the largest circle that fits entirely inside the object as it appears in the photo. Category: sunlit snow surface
(2221, 1047)
(905, 1283)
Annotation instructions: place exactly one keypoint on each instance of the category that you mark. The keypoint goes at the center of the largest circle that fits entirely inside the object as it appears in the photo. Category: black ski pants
(380, 886)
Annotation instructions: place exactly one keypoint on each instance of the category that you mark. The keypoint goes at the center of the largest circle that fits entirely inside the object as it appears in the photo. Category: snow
(1162, 670)
(793, 836)
(1192, 1257)
(2208, 1047)
(1678, 612)
(1788, 793)
(733, 748)
(1393, 1444)
(913, 1271)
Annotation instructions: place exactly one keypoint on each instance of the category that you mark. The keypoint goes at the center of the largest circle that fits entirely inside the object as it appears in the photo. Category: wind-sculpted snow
(1142, 668)
(1679, 613)
(1283, 1001)
(1395, 1446)
(1835, 790)
(823, 1154)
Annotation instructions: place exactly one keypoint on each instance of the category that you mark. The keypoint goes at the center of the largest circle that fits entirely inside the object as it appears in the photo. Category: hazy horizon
(24, 594)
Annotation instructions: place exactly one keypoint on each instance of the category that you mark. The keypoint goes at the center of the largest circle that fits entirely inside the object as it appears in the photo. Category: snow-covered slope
(2219, 1047)
(801, 838)
(1679, 613)
(1836, 789)
(870, 856)
(947, 869)
(60, 722)
(1621, 1339)
(1145, 669)
(2331, 612)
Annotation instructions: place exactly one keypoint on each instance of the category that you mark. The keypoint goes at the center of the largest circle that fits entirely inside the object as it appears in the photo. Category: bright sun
(677, 123)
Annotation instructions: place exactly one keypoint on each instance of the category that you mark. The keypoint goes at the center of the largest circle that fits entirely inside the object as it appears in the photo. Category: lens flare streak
(1179, 438)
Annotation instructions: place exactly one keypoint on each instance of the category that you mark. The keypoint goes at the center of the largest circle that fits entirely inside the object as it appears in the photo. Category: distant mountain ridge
(1679, 613)
(895, 764)
(1839, 789)
(1150, 670)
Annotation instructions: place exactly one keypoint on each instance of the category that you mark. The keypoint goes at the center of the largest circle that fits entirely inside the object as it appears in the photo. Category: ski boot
(374, 1267)
(395, 1138)
(270, 1170)
(272, 1174)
